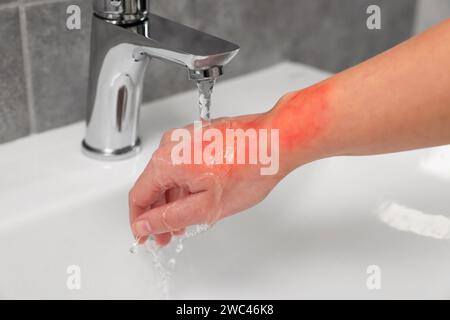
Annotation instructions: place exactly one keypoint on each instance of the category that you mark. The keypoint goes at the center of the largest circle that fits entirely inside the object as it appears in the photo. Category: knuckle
(160, 160)
(284, 98)
(212, 209)
(173, 221)
(157, 156)
(132, 197)
(209, 205)
(166, 137)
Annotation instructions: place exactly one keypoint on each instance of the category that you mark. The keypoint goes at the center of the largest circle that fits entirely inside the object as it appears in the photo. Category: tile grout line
(40, 2)
(9, 5)
(27, 68)
(16, 3)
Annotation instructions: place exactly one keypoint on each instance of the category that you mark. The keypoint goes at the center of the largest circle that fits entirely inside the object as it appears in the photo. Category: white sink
(313, 237)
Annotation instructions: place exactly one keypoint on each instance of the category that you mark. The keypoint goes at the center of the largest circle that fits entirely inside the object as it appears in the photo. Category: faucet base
(111, 155)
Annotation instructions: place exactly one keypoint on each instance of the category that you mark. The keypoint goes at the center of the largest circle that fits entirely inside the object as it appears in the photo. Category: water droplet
(135, 246)
(179, 247)
(172, 263)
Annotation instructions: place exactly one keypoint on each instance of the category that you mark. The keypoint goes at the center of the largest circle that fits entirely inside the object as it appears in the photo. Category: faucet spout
(120, 54)
(190, 48)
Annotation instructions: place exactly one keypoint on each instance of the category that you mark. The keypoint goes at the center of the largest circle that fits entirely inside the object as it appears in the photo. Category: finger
(163, 238)
(146, 191)
(179, 232)
(173, 216)
(173, 195)
(157, 203)
(143, 239)
(141, 197)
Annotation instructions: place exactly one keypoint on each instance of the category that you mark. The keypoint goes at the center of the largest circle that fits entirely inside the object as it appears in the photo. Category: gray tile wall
(44, 66)
(14, 114)
(430, 12)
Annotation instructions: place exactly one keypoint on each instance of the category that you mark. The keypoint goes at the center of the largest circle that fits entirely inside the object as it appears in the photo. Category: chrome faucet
(125, 36)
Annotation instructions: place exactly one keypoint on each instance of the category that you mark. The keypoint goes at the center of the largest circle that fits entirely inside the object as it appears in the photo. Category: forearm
(398, 100)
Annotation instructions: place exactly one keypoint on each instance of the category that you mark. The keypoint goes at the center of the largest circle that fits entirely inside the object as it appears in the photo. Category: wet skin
(398, 100)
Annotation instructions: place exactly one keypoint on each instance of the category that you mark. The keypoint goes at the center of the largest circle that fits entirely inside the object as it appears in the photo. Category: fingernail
(142, 228)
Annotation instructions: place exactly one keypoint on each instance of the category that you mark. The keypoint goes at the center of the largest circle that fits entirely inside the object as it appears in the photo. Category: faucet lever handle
(122, 11)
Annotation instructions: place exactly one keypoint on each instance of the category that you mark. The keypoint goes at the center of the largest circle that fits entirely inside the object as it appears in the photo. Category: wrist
(302, 118)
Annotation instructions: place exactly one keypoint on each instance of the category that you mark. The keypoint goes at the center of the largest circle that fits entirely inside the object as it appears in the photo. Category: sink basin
(313, 237)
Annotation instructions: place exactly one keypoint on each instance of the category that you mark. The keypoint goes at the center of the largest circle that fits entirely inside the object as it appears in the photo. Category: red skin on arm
(301, 118)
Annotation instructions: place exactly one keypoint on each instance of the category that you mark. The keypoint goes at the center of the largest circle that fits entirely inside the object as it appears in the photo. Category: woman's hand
(169, 197)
